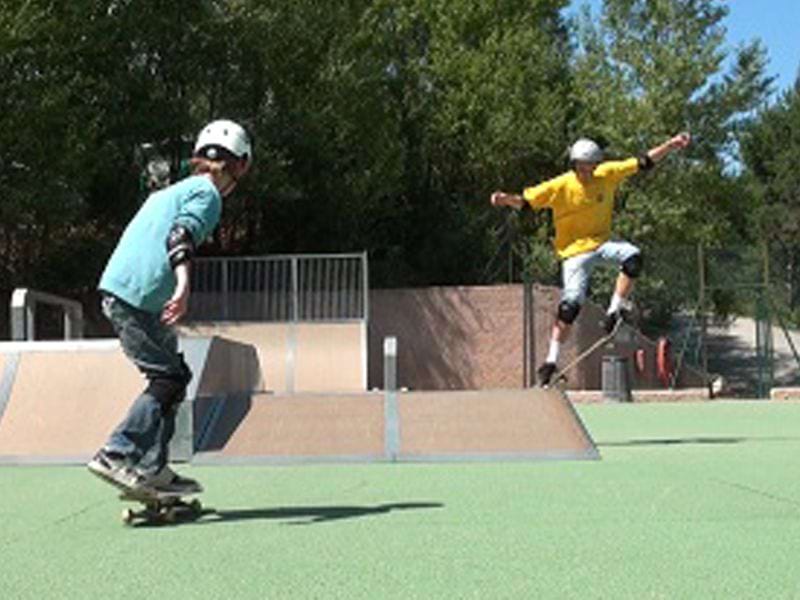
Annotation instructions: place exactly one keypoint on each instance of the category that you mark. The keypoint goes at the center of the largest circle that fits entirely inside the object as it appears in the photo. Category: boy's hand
(503, 199)
(680, 141)
(175, 307)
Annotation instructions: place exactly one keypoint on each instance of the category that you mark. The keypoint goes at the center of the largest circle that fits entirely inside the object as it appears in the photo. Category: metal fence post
(291, 341)
(225, 291)
(391, 413)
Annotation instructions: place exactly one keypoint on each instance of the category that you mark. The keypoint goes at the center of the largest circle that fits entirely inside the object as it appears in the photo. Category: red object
(664, 368)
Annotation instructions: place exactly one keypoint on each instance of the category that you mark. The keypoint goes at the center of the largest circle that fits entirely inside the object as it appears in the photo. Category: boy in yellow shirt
(582, 201)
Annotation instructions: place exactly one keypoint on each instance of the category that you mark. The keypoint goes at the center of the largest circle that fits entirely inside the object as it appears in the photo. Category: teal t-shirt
(138, 271)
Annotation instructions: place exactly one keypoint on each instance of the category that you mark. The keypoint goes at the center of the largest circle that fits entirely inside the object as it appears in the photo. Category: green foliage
(647, 70)
(770, 145)
(379, 125)
(770, 149)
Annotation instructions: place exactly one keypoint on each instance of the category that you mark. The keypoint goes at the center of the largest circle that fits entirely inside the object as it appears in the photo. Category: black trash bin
(615, 379)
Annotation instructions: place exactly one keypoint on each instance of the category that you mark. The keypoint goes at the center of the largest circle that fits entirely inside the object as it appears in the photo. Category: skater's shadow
(702, 440)
(309, 515)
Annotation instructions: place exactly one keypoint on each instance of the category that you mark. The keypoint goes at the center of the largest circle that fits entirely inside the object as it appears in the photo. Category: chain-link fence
(730, 311)
(733, 312)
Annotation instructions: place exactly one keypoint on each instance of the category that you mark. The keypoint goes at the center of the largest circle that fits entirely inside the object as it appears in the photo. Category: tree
(476, 92)
(390, 125)
(644, 71)
(83, 84)
(379, 125)
(770, 144)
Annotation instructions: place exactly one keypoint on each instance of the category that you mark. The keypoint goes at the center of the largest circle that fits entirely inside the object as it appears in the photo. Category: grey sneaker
(112, 468)
(167, 480)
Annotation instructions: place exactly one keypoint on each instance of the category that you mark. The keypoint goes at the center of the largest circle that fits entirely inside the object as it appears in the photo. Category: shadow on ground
(692, 440)
(299, 515)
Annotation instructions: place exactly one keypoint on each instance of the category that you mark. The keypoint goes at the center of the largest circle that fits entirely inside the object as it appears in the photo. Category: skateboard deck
(560, 377)
(161, 507)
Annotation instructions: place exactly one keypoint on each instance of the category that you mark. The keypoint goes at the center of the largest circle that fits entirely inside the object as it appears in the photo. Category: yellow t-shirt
(581, 213)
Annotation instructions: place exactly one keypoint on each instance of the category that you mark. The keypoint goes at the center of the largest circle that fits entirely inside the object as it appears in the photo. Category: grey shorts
(576, 270)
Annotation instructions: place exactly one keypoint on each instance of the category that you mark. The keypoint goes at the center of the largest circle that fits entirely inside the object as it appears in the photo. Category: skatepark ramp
(305, 314)
(300, 357)
(60, 400)
(532, 424)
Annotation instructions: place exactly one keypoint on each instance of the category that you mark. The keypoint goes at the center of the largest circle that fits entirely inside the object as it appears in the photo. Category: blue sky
(775, 22)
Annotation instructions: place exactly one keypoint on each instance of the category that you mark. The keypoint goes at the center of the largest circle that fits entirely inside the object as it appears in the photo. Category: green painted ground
(689, 501)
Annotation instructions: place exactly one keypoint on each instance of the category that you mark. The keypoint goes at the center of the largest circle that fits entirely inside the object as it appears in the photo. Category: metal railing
(280, 288)
(23, 314)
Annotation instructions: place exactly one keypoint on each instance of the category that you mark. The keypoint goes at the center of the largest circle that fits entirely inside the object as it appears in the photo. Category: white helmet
(585, 150)
(223, 137)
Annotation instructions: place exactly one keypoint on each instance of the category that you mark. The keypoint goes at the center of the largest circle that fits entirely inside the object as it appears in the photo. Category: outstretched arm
(677, 142)
(503, 199)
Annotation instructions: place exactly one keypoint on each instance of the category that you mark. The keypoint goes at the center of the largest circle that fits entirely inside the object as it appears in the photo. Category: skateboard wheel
(169, 515)
(128, 516)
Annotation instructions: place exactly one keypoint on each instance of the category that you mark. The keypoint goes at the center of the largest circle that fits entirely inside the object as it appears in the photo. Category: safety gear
(645, 162)
(223, 139)
(180, 245)
(632, 266)
(568, 311)
(585, 150)
(170, 390)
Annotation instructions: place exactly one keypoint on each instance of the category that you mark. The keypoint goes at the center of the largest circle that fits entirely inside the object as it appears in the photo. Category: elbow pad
(645, 162)
(180, 245)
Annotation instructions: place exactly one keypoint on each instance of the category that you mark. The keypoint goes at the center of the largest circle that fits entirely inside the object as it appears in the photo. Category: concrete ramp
(529, 424)
(60, 400)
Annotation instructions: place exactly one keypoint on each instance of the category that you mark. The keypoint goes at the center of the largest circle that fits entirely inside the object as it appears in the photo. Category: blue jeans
(576, 270)
(143, 435)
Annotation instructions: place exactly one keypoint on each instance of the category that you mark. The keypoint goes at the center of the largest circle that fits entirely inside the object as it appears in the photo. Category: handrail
(23, 314)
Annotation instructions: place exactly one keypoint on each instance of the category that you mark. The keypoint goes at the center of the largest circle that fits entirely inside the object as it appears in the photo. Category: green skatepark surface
(688, 501)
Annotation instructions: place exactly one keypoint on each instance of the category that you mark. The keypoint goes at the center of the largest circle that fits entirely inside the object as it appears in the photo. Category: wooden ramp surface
(64, 404)
(59, 401)
(532, 424)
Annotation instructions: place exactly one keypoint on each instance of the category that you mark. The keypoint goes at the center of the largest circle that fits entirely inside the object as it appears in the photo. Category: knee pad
(568, 311)
(168, 390)
(632, 266)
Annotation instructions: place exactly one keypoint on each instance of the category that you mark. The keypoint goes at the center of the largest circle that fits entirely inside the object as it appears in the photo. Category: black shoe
(168, 481)
(545, 373)
(611, 320)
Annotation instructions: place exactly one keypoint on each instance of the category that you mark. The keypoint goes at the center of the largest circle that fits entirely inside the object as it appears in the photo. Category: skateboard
(560, 377)
(161, 507)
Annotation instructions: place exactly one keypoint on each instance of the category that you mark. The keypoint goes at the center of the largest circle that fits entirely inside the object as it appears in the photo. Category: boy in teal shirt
(145, 290)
